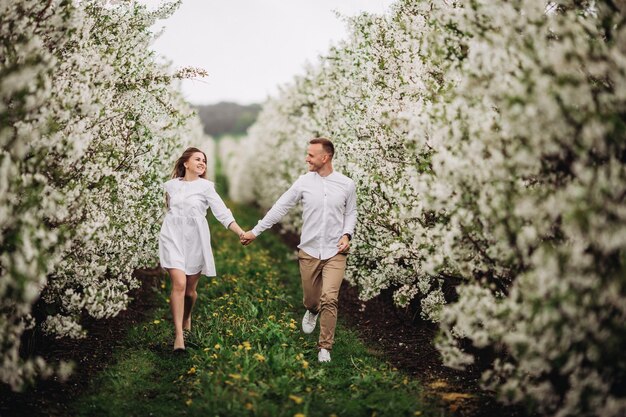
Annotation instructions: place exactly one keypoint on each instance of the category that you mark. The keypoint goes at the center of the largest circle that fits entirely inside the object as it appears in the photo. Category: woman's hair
(179, 167)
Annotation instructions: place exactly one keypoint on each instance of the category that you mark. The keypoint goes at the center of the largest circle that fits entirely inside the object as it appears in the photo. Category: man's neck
(325, 170)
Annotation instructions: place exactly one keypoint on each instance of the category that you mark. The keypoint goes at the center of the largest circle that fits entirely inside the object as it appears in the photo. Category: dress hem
(186, 273)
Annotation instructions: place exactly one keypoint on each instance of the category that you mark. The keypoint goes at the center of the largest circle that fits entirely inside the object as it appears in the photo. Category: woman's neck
(190, 177)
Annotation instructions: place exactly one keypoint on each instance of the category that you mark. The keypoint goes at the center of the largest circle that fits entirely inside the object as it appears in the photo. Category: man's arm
(349, 220)
(349, 217)
(285, 203)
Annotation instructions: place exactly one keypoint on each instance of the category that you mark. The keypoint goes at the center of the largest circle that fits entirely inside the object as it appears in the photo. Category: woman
(185, 240)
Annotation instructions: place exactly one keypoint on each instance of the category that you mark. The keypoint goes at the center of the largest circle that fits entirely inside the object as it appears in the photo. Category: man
(329, 217)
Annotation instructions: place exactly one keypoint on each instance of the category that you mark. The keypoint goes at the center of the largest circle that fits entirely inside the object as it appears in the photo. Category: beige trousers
(321, 280)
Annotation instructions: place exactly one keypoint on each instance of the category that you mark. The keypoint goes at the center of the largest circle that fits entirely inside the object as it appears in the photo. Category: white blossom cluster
(487, 141)
(90, 125)
(232, 152)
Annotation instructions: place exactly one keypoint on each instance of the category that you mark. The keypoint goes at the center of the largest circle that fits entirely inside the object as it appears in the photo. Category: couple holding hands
(329, 218)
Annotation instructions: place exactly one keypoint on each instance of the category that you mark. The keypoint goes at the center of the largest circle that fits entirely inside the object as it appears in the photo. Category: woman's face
(196, 163)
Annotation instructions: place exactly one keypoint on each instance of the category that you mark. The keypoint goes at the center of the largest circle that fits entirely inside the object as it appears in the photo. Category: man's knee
(329, 300)
(311, 304)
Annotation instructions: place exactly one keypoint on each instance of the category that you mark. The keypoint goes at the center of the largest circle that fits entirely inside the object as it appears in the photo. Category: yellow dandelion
(189, 402)
(292, 325)
(249, 406)
(259, 357)
(218, 346)
(215, 314)
(156, 321)
(305, 364)
(163, 285)
(299, 415)
(247, 345)
(191, 370)
(235, 376)
(296, 399)
(206, 349)
(417, 413)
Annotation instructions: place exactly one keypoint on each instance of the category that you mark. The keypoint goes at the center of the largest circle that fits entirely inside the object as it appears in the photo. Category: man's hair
(328, 146)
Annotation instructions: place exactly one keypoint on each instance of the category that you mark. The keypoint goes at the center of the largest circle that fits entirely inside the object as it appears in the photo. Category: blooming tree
(90, 124)
(537, 147)
(232, 151)
(487, 141)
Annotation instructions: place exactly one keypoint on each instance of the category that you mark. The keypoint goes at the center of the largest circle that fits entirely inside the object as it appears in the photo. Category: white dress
(185, 239)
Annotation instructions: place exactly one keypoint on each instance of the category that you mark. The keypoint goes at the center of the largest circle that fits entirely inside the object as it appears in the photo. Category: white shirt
(329, 211)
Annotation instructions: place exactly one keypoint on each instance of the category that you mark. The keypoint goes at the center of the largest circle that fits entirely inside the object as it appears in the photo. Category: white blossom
(486, 139)
(94, 124)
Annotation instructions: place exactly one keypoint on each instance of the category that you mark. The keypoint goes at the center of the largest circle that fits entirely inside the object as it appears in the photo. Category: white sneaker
(309, 321)
(323, 355)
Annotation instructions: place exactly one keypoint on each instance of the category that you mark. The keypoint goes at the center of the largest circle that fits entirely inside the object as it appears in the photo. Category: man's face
(316, 157)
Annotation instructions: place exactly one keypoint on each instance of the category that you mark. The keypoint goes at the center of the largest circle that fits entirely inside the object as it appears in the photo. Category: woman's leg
(177, 303)
(190, 299)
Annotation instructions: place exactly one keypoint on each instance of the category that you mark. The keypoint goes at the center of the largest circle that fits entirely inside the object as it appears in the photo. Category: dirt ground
(403, 339)
(406, 341)
(91, 354)
(397, 335)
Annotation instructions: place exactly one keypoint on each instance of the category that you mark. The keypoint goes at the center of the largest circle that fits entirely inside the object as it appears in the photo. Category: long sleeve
(218, 208)
(285, 203)
(349, 217)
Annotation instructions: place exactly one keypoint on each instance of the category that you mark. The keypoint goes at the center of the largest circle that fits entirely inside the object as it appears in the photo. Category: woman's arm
(221, 212)
(235, 228)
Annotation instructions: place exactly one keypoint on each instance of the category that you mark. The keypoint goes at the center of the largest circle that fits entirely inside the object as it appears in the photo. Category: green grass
(246, 353)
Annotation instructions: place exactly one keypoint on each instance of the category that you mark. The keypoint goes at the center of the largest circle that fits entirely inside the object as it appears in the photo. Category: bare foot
(179, 343)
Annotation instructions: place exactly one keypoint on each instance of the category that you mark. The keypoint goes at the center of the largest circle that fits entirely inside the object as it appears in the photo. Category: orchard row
(90, 122)
(488, 143)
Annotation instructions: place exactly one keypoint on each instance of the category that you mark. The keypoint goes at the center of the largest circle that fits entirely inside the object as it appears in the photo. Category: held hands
(246, 238)
(344, 244)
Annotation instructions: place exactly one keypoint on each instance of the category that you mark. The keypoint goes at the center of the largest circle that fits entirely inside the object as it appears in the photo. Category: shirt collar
(327, 176)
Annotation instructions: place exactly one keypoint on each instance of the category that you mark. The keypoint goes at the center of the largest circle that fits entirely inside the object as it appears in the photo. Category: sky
(250, 47)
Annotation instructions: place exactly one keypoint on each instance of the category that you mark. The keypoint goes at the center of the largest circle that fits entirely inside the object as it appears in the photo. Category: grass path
(246, 353)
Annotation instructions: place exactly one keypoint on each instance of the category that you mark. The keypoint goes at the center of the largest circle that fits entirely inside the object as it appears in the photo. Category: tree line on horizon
(227, 117)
